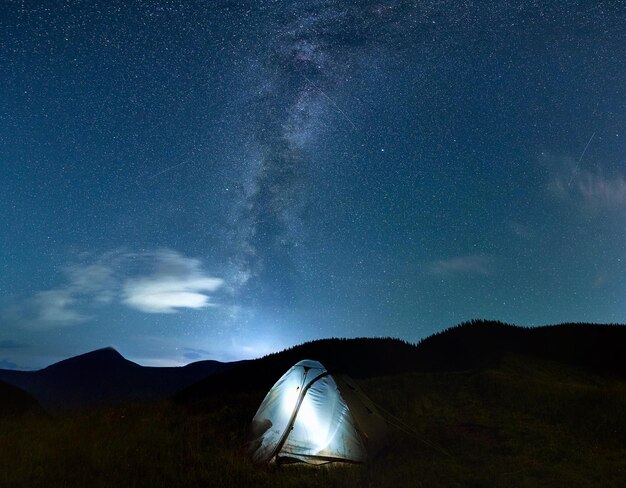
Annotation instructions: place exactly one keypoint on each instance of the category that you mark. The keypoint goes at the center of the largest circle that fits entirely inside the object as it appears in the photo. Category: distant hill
(471, 345)
(104, 376)
(14, 401)
(479, 344)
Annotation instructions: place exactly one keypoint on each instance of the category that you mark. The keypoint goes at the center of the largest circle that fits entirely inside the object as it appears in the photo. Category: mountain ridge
(104, 377)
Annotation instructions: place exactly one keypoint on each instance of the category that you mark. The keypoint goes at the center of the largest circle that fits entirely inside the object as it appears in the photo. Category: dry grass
(528, 423)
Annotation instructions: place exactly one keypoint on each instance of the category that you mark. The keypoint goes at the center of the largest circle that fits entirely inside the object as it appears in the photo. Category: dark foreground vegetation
(518, 419)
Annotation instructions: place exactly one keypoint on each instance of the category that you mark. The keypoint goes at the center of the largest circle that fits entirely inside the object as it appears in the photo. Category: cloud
(163, 294)
(11, 344)
(97, 279)
(599, 192)
(589, 190)
(161, 281)
(195, 354)
(56, 307)
(177, 282)
(463, 264)
(6, 364)
(48, 309)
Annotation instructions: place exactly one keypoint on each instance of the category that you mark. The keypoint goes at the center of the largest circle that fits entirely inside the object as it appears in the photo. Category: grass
(526, 423)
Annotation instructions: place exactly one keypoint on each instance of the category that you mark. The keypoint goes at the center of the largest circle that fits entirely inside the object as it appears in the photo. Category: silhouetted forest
(470, 345)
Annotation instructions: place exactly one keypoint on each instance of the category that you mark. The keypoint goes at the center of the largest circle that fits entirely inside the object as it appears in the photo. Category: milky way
(286, 120)
(187, 180)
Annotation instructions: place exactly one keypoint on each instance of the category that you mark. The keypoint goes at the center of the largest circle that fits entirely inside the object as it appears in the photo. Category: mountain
(104, 376)
(471, 345)
(14, 401)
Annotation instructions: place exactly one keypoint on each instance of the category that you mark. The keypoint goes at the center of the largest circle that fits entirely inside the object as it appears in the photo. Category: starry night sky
(223, 179)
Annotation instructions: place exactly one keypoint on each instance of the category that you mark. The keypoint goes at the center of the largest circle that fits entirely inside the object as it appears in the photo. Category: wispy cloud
(11, 344)
(56, 307)
(590, 189)
(47, 309)
(195, 354)
(161, 281)
(6, 364)
(463, 264)
(97, 279)
(596, 191)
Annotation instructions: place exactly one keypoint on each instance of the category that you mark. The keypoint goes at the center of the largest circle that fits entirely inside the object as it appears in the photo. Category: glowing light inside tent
(305, 417)
(316, 429)
(290, 398)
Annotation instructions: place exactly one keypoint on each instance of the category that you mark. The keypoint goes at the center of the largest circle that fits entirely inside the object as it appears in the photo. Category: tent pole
(294, 414)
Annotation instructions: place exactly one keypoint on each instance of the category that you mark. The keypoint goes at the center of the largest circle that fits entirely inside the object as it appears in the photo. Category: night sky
(221, 179)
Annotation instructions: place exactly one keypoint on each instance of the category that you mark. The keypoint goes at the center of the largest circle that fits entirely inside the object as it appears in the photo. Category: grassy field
(526, 423)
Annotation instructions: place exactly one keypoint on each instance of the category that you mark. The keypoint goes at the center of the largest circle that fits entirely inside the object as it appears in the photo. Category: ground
(525, 423)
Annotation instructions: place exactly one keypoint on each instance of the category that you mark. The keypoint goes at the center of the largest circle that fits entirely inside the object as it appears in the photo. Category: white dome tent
(316, 417)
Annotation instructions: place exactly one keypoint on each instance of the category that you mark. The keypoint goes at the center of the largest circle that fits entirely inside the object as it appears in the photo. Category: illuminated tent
(316, 417)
